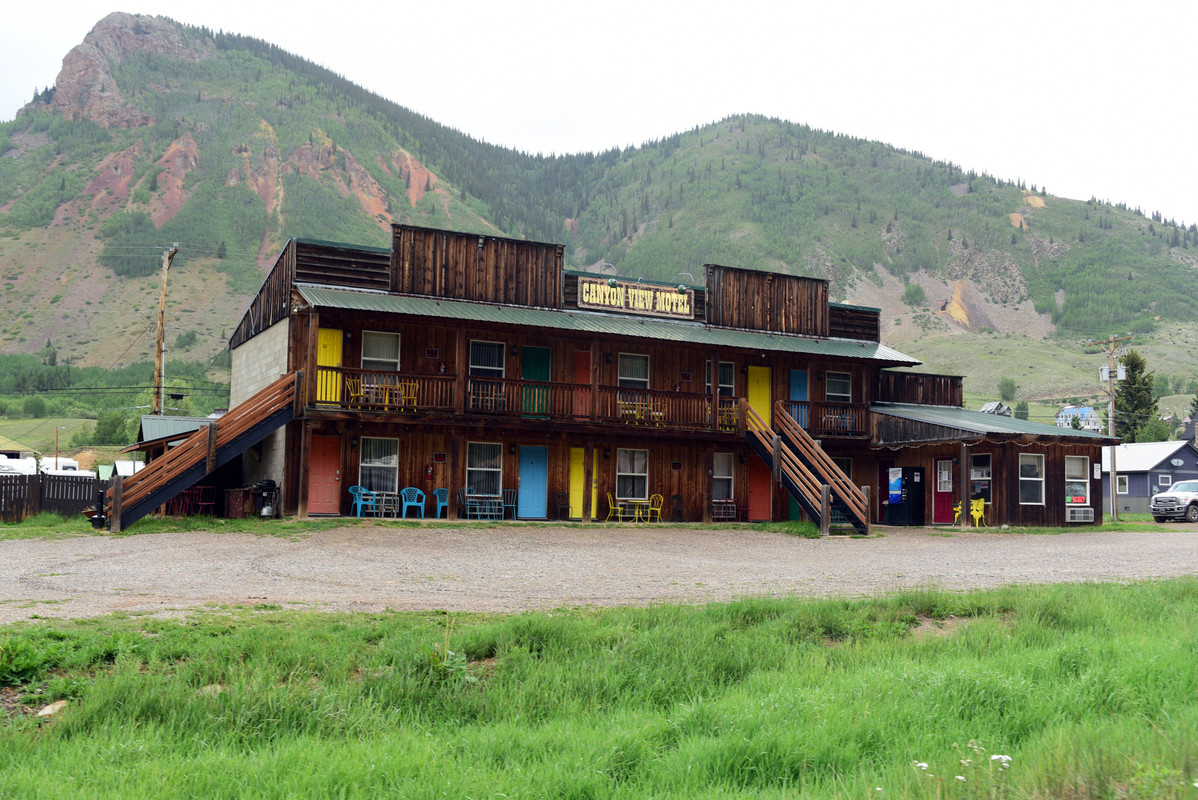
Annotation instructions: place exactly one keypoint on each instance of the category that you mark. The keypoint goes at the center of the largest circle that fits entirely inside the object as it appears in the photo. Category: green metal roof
(158, 426)
(597, 323)
(976, 422)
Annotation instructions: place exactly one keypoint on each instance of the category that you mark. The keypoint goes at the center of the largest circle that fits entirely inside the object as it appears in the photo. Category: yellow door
(328, 354)
(759, 391)
(578, 481)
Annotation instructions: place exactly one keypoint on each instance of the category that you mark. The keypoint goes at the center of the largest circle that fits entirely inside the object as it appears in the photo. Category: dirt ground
(373, 567)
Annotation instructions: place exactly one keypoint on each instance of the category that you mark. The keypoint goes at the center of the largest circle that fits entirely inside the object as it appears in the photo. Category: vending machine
(905, 496)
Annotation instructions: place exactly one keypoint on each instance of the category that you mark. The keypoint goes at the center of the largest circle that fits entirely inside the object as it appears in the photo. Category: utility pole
(1109, 348)
(157, 403)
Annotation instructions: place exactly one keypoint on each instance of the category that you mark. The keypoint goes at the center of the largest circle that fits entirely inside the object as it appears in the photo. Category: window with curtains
(378, 467)
(484, 468)
(632, 474)
(727, 378)
(486, 359)
(838, 387)
(634, 371)
(380, 351)
(721, 477)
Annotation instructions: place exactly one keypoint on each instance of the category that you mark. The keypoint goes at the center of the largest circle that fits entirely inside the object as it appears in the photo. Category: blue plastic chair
(442, 496)
(363, 498)
(412, 497)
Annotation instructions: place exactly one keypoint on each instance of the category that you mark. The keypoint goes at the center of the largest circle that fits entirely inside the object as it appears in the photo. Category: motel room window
(727, 379)
(380, 351)
(1077, 481)
(378, 469)
(633, 371)
(486, 359)
(484, 468)
(632, 474)
(721, 477)
(845, 465)
(1121, 484)
(1031, 479)
(838, 387)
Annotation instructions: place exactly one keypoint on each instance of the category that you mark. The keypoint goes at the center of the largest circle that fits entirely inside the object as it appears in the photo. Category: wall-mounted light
(681, 289)
(514, 350)
(353, 443)
(612, 282)
(511, 449)
(744, 369)
(607, 359)
(349, 334)
(607, 453)
(742, 458)
(820, 376)
(481, 241)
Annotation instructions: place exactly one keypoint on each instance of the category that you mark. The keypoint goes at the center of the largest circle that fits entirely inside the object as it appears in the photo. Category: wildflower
(1004, 761)
(961, 778)
(921, 765)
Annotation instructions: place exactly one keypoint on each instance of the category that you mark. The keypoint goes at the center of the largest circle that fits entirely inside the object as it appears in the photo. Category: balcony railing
(400, 393)
(824, 420)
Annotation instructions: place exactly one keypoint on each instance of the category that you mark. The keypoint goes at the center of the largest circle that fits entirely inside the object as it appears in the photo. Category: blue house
(1143, 469)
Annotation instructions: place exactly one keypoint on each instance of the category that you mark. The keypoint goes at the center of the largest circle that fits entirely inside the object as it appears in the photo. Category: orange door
(759, 490)
(324, 477)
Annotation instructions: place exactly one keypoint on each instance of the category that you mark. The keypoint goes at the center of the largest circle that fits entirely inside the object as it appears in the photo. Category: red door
(582, 381)
(759, 490)
(942, 492)
(324, 478)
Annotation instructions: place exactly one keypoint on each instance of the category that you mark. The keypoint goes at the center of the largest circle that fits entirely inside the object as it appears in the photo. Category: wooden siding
(766, 301)
(469, 266)
(338, 265)
(272, 303)
(864, 324)
(920, 389)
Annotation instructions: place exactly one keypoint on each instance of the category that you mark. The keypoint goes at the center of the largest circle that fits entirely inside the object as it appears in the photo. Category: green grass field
(1078, 691)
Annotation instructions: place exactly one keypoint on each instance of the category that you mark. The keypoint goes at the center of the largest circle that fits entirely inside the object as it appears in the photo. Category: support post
(825, 509)
(114, 514)
(156, 403)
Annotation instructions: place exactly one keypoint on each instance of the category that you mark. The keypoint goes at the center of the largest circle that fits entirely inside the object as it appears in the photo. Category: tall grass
(1089, 690)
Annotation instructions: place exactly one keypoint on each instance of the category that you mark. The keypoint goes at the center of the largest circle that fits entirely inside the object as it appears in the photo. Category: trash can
(235, 502)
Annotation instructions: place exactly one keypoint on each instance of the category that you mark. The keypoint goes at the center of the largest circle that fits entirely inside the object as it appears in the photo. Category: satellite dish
(1177, 462)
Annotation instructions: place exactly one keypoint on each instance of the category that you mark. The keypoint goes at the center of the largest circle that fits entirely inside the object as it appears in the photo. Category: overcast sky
(1090, 98)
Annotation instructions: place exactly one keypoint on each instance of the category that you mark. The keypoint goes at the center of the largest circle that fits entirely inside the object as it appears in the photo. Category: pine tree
(1135, 403)
(1021, 411)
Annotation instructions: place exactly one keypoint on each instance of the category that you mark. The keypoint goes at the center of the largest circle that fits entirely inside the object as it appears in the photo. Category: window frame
(623, 477)
(380, 464)
(730, 386)
(1122, 484)
(1081, 480)
(474, 471)
(631, 381)
(1164, 480)
(1036, 480)
(383, 364)
(845, 464)
(838, 397)
(485, 370)
(719, 478)
(981, 477)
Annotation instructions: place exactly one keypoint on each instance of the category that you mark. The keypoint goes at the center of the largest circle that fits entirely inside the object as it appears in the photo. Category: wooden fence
(24, 496)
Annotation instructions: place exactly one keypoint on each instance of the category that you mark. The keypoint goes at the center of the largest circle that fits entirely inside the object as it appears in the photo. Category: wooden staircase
(805, 470)
(202, 452)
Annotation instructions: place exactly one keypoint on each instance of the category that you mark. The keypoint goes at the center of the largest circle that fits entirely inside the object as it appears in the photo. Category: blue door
(533, 498)
(798, 396)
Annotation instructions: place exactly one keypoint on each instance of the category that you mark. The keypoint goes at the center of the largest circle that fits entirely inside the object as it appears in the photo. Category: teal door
(798, 396)
(534, 366)
(532, 500)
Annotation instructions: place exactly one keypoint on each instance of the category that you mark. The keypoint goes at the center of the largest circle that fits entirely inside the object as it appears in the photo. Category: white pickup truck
(1179, 501)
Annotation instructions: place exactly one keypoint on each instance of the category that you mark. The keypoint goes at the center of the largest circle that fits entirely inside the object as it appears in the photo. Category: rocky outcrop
(86, 88)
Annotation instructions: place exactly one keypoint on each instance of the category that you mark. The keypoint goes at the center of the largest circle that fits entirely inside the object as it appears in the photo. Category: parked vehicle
(1179, 501)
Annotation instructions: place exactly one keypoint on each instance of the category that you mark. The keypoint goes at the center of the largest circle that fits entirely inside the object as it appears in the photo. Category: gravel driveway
(375, 567)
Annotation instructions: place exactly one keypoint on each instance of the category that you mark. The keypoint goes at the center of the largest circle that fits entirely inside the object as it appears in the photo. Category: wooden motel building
(482, 365)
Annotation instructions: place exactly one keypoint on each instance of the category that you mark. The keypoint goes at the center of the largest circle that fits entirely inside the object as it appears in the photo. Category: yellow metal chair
(354, 393)
(956, 512)
(977, 510)
(655, 503)
(614, 509)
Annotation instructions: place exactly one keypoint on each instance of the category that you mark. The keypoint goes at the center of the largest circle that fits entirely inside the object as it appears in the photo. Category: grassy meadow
(1078, 691)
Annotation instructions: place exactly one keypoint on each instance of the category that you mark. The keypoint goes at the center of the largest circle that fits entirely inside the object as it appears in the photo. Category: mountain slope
(157, 133)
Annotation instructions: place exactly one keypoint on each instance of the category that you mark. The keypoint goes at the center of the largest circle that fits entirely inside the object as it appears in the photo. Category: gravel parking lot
(372, 567)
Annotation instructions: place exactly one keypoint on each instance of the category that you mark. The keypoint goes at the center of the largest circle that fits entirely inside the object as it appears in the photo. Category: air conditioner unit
(1079, 515)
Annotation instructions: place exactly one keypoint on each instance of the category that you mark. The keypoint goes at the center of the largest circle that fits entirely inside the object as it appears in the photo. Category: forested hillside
(158, 133)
